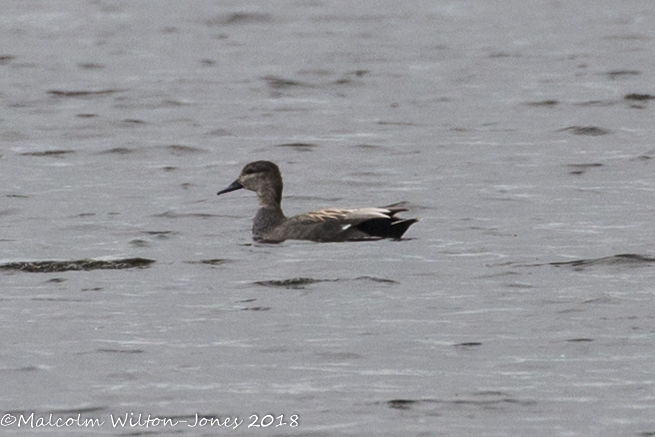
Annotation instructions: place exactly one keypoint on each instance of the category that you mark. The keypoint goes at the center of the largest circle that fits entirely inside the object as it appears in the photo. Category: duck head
(262, 177)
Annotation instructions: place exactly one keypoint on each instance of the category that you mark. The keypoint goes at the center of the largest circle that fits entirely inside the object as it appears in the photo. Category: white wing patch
(347, 214)
(367, 213)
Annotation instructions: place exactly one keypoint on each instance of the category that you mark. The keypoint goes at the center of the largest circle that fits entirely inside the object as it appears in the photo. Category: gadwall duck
(325, 225)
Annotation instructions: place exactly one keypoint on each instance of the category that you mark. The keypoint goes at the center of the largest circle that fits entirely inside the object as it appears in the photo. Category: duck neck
(268, 217)
(270, 214)
(269, 197)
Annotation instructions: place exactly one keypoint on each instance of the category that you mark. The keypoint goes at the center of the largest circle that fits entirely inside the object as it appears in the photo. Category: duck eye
(249, 171)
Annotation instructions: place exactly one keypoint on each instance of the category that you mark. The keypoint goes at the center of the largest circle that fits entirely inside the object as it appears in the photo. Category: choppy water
(521, 134)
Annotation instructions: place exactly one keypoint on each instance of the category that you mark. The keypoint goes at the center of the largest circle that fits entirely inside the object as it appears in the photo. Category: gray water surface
(521, 133)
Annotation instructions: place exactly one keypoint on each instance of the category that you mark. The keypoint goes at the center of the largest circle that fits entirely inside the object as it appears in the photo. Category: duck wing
(337, 224)
(381, 222)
